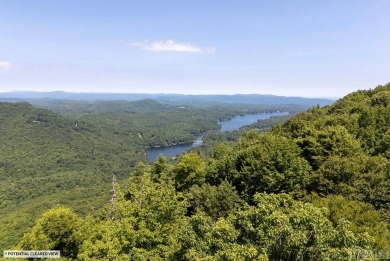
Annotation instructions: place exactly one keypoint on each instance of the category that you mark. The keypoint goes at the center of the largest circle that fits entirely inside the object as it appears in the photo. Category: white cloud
(4, 65)
(171, 46)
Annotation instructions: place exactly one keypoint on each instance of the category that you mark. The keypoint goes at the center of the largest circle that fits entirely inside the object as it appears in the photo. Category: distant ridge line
(167, 98)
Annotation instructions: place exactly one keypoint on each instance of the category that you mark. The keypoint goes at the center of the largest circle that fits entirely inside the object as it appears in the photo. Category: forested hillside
(315, 188)
(47, 159)
(69, 156)
(154, 124)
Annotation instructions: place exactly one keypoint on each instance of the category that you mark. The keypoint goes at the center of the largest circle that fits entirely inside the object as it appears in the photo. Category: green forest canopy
(314, 188)
(69, 157)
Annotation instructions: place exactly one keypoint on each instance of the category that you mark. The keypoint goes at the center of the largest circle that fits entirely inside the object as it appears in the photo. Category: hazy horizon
(165, 93)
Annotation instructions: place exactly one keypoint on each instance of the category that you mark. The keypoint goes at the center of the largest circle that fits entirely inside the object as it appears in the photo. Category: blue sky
(293, 48)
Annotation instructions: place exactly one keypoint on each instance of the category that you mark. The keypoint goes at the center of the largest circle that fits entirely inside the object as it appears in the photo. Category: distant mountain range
(165, 98)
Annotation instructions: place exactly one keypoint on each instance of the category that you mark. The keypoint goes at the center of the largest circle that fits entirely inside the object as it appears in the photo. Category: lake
(174, 150)
(230, 125)
(237, 122)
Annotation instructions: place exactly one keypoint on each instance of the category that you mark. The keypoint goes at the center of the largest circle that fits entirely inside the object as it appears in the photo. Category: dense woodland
(67, 153)
(316, 187)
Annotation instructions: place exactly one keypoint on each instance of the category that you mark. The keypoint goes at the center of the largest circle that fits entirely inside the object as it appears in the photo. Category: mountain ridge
(167, 98)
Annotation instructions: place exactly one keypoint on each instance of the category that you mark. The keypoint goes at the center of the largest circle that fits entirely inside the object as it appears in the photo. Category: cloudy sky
(295, 48)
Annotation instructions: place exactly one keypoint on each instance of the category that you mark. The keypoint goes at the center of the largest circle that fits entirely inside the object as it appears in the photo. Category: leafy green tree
(221, 166)
(360, 177)
(57, 229)
(332, 140)
(202, 239)
(363, 217)
(276, 228)
(269, 163)
(159, 166)
(147, 219)
(381, 98)
(190, 170)
(215, 201)
(291, 230)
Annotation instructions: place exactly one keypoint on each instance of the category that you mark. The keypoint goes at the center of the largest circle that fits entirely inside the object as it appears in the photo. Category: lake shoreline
(235, 123)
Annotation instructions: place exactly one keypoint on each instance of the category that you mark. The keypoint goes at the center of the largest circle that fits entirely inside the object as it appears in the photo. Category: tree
(56, 229)
(276, 228)
(215, 201)
(220, 166)
(159, 166)
(331, 140)
(363, 217)
(189, 170)
(148, 216)
(269, 163)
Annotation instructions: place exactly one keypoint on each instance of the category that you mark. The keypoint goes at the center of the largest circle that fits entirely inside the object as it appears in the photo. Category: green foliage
(149, 123)
(347, 146)
(315, 188)
(202, 239)
(381, 98)
(190, 170)
(220, 165)
(269, 163)
(145, 225)
(260, 163)
(276, 228)
(159, 166)
(215, 201)
(363, 217)
(48, 158)
(318, 144)
(55, 230)
(361, 178)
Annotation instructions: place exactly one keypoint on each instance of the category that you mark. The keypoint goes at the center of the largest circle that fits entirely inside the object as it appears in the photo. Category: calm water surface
(237, 122)
(173, 150)
(233, 124)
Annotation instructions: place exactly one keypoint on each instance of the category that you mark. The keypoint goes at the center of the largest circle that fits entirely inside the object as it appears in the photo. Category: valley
(66, 152)
(313, 183)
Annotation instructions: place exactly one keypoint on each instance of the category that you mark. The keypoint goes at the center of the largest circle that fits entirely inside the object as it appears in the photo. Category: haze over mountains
(166, 98)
